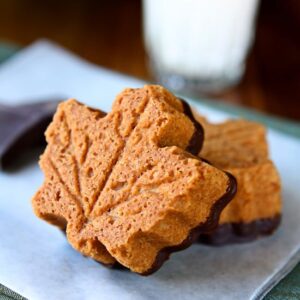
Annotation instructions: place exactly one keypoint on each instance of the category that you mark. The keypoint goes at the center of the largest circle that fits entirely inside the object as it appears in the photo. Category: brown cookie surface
(240, 147)
(122, 184)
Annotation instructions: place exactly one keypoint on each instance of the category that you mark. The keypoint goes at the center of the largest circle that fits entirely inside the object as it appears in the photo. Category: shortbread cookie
(240, 147)
(122, 184)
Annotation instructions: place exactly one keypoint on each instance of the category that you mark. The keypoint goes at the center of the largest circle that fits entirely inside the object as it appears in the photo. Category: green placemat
(7, 50)
(287, 288)
(7, 294)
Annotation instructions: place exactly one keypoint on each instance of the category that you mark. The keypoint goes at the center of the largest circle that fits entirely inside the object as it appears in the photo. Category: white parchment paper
(36, 260)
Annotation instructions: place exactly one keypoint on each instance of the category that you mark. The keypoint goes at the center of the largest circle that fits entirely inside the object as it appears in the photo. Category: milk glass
(198, 46)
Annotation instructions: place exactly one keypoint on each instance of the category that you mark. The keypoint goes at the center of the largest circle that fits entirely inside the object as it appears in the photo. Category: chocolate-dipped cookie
(123, 185)
(240, 147)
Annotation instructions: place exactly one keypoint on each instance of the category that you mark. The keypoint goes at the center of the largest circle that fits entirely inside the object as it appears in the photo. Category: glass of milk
(198, 46)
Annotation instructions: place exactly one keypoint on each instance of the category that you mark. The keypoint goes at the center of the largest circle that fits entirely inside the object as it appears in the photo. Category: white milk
(204, 41)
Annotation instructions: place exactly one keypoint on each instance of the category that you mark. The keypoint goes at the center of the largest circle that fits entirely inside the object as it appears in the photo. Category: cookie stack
(130, 187)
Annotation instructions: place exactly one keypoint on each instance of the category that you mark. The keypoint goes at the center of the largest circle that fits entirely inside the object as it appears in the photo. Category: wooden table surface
(109, 33)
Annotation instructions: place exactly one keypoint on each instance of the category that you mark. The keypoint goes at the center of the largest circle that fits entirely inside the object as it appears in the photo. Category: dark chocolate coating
(241, 232)
(196, 142)
(22, 127)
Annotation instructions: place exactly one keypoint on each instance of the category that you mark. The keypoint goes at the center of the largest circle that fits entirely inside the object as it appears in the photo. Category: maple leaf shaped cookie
(122, 184)
(241, 148)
